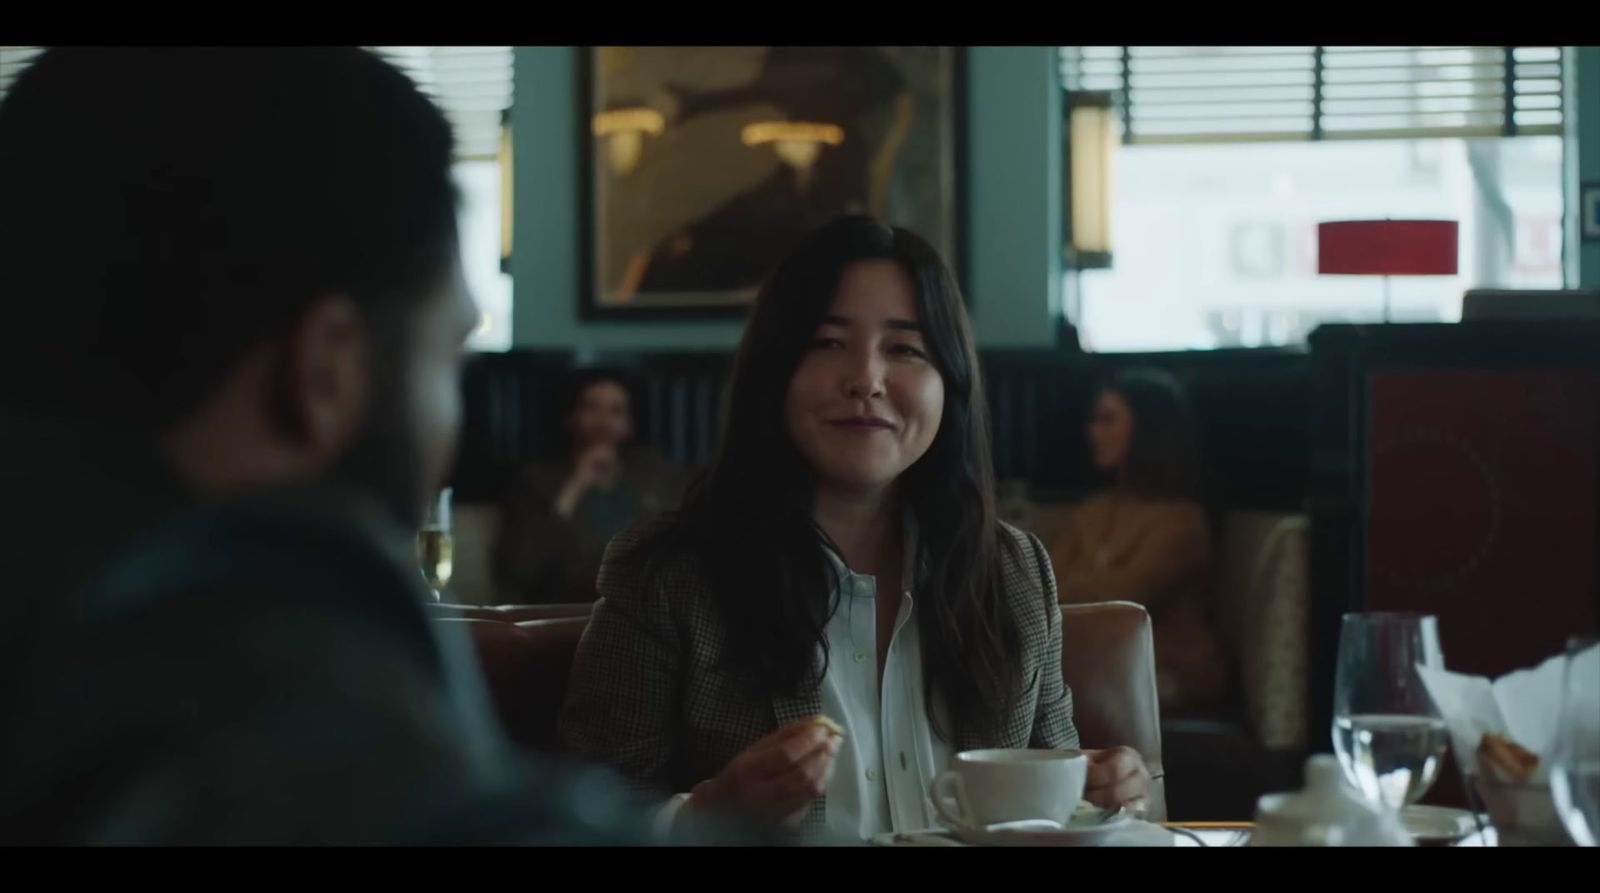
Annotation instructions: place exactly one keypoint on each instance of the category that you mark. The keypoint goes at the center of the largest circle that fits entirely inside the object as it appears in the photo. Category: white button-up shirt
(890, 754)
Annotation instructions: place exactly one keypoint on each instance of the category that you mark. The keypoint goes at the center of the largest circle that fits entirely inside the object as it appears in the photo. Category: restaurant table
(1209, 835)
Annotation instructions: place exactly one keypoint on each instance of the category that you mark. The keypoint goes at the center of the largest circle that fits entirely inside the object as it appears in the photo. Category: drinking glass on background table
(1575, 762)
(1387, 732)
(436, 545)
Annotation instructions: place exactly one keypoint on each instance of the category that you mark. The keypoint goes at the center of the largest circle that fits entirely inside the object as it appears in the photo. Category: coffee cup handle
(948, 788)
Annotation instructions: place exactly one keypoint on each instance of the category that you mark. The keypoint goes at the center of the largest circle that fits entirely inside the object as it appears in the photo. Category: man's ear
(325, 379)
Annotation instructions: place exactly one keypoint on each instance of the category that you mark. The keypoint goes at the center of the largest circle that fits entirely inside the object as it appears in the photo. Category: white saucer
(1437, 825)
(1089, 826)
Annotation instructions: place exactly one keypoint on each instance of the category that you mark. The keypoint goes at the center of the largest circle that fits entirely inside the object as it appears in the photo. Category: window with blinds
(12, 61)
(1240, 94)
(471, 85)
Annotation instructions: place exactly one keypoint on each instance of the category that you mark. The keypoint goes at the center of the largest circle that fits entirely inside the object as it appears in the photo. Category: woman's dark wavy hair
(1163, 458)
(748, 519)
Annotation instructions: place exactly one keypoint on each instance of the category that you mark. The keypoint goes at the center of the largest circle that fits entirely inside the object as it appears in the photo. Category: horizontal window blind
(471, 85)
(1236, 94)
(12, 61)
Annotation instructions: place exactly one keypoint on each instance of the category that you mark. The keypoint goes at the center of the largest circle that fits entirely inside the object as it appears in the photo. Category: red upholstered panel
(1483, 498)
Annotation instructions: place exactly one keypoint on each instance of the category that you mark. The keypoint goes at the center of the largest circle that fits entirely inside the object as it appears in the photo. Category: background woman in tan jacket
(1146, 538)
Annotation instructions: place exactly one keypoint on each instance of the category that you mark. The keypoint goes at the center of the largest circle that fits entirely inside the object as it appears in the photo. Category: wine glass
(436, 545)
(1387, 732)
(1575, 758)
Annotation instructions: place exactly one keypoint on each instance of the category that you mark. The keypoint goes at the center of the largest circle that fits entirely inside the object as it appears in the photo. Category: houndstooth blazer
(648, 695)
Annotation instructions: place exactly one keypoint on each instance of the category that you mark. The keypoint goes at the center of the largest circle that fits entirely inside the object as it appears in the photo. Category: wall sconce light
(624, 131)
(505, 191)
(1091, 143)
(797, 143)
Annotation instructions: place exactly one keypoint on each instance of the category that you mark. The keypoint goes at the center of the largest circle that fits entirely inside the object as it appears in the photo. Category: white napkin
(1524, 705)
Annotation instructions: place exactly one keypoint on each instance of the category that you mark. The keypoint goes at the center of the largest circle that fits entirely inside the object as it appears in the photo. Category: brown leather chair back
(525, 666)
(1108, 660)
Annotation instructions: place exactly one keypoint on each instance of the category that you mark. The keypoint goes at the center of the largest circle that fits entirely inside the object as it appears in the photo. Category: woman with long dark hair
(1146, 538)
(841, 556)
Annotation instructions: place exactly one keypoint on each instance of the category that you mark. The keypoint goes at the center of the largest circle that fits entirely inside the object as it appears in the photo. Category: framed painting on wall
(702, 166)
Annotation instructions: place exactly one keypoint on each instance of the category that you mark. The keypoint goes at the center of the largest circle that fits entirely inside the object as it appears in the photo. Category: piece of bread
(828, 724)
(1508, 760)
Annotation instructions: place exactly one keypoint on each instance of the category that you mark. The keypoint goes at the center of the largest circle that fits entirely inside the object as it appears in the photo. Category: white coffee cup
(987, 787)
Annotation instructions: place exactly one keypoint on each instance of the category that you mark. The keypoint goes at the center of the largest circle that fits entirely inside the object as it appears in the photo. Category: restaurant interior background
(1174, 224)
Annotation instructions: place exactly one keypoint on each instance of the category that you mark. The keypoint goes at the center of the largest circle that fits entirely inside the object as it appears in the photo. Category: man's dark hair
(166, 210)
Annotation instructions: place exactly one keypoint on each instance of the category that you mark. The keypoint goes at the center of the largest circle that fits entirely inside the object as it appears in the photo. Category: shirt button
(861, 656)
(872, 775)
